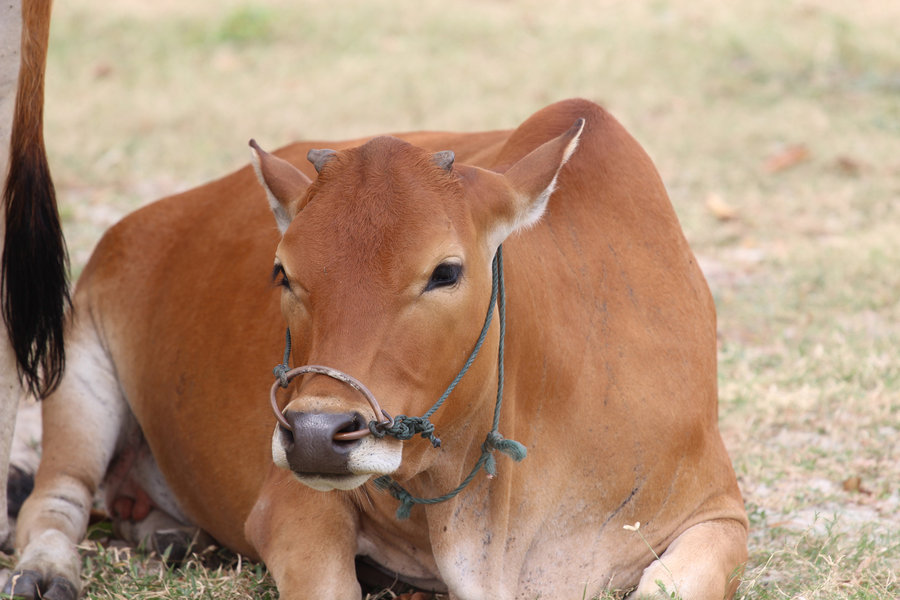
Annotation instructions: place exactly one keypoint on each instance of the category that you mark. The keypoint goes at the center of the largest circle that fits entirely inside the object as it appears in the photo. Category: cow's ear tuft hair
(284, 183)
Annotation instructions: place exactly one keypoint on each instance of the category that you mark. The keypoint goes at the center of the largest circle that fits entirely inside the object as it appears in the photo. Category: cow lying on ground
(385, 264)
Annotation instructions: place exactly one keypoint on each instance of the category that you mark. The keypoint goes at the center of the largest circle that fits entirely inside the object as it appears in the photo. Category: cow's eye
(279, 277)
(444, 275)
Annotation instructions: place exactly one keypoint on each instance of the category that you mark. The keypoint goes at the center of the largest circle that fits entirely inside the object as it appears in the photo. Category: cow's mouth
(326, 483)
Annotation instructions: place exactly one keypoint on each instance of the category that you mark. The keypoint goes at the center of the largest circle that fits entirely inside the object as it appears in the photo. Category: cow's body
(33, 269)
(610, 381)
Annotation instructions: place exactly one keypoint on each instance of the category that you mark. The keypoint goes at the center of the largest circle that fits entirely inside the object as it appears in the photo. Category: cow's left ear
(284, 183)
(532, 180)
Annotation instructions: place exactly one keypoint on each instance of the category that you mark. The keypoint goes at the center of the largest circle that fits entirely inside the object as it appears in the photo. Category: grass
(775, 125)
(116, 572)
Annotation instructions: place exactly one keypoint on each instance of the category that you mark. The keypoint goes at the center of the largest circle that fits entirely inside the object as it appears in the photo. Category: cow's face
(385, 269)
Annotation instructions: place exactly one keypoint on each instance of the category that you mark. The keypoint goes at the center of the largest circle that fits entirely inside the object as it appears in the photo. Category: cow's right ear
(284, 183)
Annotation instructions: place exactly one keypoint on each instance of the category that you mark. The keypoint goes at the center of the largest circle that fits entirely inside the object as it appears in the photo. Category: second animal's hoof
(29, 585)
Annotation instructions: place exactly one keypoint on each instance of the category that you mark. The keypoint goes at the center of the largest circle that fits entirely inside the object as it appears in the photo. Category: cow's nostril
(287, 437)
(356, 424)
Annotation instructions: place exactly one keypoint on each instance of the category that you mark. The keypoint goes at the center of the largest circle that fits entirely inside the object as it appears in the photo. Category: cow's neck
(405, 546)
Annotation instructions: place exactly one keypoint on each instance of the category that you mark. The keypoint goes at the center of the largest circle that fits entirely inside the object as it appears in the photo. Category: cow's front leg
(307, 539)
(703, 563)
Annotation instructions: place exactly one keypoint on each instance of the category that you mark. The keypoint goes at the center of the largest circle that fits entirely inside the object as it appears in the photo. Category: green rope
(493, 441)
(280, 371)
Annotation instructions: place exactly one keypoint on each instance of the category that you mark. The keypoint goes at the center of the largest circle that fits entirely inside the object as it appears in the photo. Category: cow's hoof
(30, 585)
(176, 544)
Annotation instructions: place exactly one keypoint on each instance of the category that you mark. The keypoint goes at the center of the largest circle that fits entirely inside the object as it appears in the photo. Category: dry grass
(775, 124)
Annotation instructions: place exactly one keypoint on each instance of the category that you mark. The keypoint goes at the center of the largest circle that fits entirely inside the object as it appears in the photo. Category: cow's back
(609, 272)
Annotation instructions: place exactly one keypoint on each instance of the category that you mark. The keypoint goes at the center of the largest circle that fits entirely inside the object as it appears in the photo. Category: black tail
(35, 288)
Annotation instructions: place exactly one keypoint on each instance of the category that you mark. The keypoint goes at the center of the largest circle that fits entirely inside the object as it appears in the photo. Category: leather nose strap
(384, 419)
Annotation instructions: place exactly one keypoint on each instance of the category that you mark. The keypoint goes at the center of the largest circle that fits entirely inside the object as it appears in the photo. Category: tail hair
(34, 276)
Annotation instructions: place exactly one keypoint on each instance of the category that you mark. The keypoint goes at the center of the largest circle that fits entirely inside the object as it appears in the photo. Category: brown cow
(384, 276)
(34, 270)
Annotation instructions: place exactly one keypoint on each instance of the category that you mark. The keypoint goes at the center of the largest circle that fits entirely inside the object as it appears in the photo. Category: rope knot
(376, 430)
(399, 493)
(280, 372)
(495, 441)
(405, 428)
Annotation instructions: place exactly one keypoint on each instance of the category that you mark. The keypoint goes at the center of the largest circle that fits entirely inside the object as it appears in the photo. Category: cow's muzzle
(311, 445)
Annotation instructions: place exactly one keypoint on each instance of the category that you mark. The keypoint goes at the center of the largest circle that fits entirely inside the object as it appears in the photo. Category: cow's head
(385, 265)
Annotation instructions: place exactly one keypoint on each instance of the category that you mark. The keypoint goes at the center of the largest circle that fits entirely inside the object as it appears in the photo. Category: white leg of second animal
(82, 423)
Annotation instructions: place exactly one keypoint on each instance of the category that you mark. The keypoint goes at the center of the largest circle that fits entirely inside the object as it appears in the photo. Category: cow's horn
(444, 159)
(320, 157)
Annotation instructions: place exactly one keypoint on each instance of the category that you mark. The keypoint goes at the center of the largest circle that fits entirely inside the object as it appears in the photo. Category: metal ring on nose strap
(380, 413)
